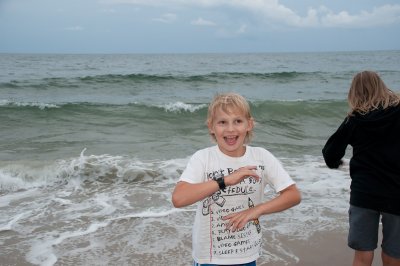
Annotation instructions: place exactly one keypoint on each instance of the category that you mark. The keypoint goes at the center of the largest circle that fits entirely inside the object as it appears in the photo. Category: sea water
(91, 147)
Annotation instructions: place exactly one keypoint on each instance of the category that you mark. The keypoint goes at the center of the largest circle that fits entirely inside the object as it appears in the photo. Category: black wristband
(221, 183)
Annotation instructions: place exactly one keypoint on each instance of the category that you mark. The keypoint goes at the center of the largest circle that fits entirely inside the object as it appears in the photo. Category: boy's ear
(209, 125)
(251, 124)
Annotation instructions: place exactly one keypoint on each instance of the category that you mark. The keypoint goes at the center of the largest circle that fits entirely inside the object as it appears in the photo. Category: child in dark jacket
(372, 128)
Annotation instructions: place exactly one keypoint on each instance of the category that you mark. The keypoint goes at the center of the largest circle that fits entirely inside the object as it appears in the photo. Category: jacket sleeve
(335, 147)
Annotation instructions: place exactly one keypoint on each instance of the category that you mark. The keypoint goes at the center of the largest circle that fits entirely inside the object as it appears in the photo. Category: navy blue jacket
(375, 164)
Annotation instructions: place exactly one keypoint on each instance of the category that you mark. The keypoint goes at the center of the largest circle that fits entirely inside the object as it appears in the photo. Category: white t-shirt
(212, 242)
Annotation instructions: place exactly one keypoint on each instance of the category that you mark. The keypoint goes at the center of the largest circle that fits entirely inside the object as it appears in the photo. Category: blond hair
(368, 92)
(229, 103)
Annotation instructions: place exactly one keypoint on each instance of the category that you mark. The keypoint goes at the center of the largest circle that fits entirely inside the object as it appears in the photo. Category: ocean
(91, 147)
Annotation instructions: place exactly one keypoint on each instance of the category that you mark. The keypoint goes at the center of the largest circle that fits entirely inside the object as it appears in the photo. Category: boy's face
(230, 130)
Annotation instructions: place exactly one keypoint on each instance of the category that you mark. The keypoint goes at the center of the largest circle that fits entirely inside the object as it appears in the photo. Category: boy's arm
(286, 199)
(186, 193)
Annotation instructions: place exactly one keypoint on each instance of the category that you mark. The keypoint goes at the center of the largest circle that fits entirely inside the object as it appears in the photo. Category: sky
(198, 26)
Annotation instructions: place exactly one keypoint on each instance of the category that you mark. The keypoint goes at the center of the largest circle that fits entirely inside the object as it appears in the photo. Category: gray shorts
(364, 227)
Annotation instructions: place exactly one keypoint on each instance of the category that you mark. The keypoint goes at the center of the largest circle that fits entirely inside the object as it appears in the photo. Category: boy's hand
(236, 221)
(240, 174)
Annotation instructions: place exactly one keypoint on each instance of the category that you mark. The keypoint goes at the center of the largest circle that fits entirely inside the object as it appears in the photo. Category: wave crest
(40, 105)
(86, 169)
(181, 106)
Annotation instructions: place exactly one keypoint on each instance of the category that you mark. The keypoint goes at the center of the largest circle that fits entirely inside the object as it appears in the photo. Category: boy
(227, 181)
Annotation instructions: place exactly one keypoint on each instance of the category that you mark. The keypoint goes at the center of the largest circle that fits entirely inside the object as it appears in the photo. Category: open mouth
(231, 140)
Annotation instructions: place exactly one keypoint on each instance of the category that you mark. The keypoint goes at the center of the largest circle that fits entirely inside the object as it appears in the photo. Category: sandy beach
(323, 249)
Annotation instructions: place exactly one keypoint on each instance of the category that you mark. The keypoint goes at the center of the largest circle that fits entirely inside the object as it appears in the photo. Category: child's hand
(236, 221)
(240, 174)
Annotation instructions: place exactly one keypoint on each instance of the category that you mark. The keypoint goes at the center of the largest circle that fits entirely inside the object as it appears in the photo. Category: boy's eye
(221, 122)
(238, 121)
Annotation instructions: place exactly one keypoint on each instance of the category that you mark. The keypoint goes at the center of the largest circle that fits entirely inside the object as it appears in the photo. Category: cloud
(379, 16)
(74, 28)
(242, 29)
(231, 33)
(202, 22)
(166, 18)
(272, 12)
(110, 10)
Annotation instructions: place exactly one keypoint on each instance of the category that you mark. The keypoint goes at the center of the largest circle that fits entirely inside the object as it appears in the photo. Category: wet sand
(323, 249)
(327, 248)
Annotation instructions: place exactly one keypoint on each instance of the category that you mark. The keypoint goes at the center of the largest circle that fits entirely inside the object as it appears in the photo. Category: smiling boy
(227, 182)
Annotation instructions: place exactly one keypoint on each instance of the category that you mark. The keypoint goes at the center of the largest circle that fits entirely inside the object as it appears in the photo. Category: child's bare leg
(389, 261)
(363, 258)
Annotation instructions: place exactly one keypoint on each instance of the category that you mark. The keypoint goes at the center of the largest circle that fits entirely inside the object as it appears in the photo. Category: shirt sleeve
(277, 177)
(195, 169)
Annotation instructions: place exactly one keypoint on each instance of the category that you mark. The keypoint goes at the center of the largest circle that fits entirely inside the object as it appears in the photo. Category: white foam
(180, 106)
(10, 181)
(4, 102)
(62, 202)
(42, 249)
(153, 213)
(325, 198)
(42, 252)
(74, 171)
(107, 208)
(6, 199)
(9, 225)
(40, 105)
(25, 175)
(76, 203)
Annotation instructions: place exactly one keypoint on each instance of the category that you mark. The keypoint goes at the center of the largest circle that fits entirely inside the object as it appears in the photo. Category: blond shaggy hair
(368, 92)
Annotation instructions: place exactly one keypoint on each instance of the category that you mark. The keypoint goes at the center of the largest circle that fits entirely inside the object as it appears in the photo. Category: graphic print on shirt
(216, 197)
(256, 222)
(232, 199)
